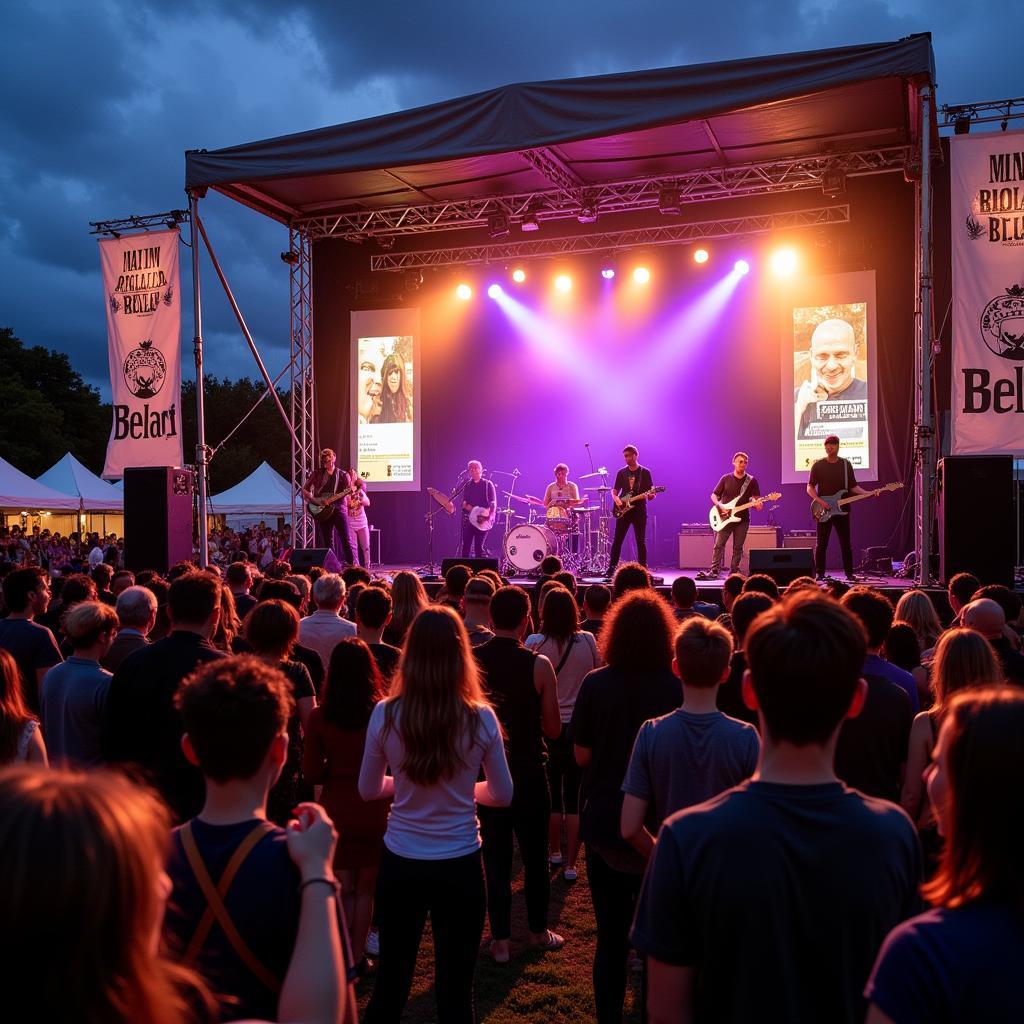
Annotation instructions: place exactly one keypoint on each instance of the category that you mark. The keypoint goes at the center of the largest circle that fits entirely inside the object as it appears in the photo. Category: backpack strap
(215, 908)
(565, 657)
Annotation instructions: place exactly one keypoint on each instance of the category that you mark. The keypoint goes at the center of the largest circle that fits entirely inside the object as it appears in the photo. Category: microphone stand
(429, 571)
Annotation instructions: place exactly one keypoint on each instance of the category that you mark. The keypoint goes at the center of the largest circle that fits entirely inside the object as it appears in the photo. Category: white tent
(71, 477)
(262, 492)
(19, 492)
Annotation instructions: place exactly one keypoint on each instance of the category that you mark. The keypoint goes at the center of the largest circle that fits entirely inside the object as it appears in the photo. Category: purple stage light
(494, 290)
(741, 267)
(607, 273)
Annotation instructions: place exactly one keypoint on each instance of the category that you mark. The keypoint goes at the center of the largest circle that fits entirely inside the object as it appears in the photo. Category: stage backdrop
(987, 221)
(141, 289)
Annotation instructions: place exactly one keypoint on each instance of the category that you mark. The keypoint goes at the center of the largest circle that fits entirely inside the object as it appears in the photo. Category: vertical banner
(829, 380)
(987, 219)
(140, 284)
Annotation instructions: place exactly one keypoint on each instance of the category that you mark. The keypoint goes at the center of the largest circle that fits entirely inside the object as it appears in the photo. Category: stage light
(588, 211)
(530, 221)
(464, 292)
(784, 262)
(741, 267)
(498, 225)
(668, 200)
(701, 256)
(519, 275)
(641, 275)
(833, 183)
(608, 273)
(563, 282)
(962, 125)
(494, 291)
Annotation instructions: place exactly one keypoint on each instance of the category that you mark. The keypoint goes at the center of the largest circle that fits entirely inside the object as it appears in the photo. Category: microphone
(515, 472)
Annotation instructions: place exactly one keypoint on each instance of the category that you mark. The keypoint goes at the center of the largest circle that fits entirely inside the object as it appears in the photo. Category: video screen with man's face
(385, 361)
(832, 388)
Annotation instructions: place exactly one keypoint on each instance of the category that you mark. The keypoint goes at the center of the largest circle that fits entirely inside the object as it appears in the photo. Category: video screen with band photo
(385, 429)
(829, 373)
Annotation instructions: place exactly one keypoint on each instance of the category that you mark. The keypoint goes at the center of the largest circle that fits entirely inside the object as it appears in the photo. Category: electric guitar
(730, 508)
(481, 518)
(837, 501)
(627, 503)
(322, 507)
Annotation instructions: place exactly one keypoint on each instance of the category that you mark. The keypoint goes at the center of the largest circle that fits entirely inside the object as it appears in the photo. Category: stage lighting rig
(833, 183)
(519, 275)
(498, 225)
(291, 258)
(530, 221)
(588, 209)
(668, 200)
(413, 280)
(386, 242)
(701, 255)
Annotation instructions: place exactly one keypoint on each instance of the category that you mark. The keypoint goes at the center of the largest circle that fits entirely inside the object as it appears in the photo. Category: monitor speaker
(157, 517)
(977, 525)
(783, 564)
(304, 559)
(473, 564)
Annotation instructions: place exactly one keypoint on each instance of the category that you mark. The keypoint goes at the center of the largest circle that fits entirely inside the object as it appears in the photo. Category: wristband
(332, 882)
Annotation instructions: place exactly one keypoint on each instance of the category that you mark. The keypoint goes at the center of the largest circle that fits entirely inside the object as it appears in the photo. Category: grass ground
(546, 988)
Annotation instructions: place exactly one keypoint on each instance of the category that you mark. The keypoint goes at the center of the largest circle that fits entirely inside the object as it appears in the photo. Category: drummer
(561, 496)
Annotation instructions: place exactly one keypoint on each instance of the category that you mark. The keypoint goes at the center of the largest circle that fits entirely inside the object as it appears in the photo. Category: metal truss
(611, 241)
(985, 112)
(303, 421)
(170, 219)
(628, 196)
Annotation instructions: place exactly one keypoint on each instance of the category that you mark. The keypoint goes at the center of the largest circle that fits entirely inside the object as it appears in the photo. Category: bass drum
(528, 545)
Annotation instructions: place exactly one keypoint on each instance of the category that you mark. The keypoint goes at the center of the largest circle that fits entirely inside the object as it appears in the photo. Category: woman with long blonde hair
(916, 609)
(436, 731)
(409, 598)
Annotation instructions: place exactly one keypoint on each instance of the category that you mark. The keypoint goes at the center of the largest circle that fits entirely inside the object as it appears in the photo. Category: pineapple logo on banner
(145, 370)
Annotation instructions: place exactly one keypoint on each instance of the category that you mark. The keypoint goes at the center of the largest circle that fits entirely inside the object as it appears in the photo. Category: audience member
(613, 702)
(141, 725)
(916, 609)
(33, 647)
(1010, 602)
(335, 741)
(694, 752)
(238, 577)
(960, 590)
(630, 576)
(353, 574)
(408, 599)
(455, 580)
(902, 649)
(574, 654)
(101, 575)
(727, 932)
(436, 731)
(123, 579)
(761, 583)
(161, 590)
(476, 610)
(75, 589)
(325, 628)
(136, 613)
(960, 960)
(74, 692)
(227, 636)
(596, 600)
(745, 609)
(732, 587)
(82, 899)
(567, 579)
(373, 612)
(686, 603)
(986, 616)
(20, 736)
(285, 590)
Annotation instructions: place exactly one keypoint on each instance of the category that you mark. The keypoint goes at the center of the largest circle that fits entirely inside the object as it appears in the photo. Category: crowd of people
(237, 793)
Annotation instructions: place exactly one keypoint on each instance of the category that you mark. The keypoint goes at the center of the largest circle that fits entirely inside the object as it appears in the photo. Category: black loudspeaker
(157, 517)
(782, 564)
(473, 564)
(977, 530)
(303, 559)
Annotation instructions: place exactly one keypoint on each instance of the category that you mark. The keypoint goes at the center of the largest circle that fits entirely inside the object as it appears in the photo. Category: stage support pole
(197, 346)
(924, 441)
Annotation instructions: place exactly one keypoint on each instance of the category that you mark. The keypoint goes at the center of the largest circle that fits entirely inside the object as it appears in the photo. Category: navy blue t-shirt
(263, 901)
(952, 965)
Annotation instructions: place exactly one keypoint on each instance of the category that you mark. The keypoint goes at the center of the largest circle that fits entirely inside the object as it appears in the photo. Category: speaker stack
(157, 517)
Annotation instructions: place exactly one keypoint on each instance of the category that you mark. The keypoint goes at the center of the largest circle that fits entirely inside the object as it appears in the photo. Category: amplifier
(697, 539)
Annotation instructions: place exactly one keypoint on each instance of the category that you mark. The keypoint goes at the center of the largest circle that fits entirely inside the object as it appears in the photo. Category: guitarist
(333, 531)
(737, 484)
(478, 493)
(633, 479)
(829, 475)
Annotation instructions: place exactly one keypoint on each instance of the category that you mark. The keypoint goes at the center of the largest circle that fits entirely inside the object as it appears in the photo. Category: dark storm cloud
(101, 99)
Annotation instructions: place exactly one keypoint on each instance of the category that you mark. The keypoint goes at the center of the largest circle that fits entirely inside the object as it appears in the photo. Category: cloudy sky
(100, 99)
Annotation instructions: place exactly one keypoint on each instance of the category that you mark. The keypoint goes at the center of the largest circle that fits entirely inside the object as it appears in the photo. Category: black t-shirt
(729, 487)
(633, 481)
(780, 896)
(872, 747)
(610, 708)
(386, 657)
(830, 477)
(479, 493)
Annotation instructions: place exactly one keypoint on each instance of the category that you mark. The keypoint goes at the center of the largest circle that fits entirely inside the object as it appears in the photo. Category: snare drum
(557, 517)
(528, 545)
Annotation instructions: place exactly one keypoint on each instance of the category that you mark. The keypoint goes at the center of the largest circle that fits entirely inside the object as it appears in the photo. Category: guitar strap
(846, 475)
(743, 489)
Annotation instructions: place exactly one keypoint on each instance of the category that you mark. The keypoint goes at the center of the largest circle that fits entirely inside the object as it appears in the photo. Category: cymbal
(588, 508)
(534, 500)
(603, 487)
(587, 476)
(442, 500)
(504, 511)
(514, 497)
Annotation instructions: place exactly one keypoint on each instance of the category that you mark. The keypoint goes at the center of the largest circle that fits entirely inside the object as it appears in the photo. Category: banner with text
(140, 285)
(987, 218)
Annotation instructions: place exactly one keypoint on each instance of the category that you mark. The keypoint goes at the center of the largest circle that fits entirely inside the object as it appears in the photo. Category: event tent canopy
(531, 137)
(71, 477)
(20, 492)
(263, 491)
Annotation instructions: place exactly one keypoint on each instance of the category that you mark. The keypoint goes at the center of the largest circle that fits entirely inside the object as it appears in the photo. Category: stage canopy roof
(18, 491)
(263, 491)
(71, 477)
(582, 133)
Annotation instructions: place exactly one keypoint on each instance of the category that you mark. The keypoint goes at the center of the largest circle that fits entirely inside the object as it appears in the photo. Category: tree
(46, 409)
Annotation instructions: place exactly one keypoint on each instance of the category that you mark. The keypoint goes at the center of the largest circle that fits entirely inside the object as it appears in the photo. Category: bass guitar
(837, 501)
(322, 506)
(726, 512)
(627, 503)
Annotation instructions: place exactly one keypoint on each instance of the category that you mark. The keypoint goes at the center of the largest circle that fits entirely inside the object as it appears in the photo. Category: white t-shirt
(435, 822)
(95, 557)
(582, 659)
